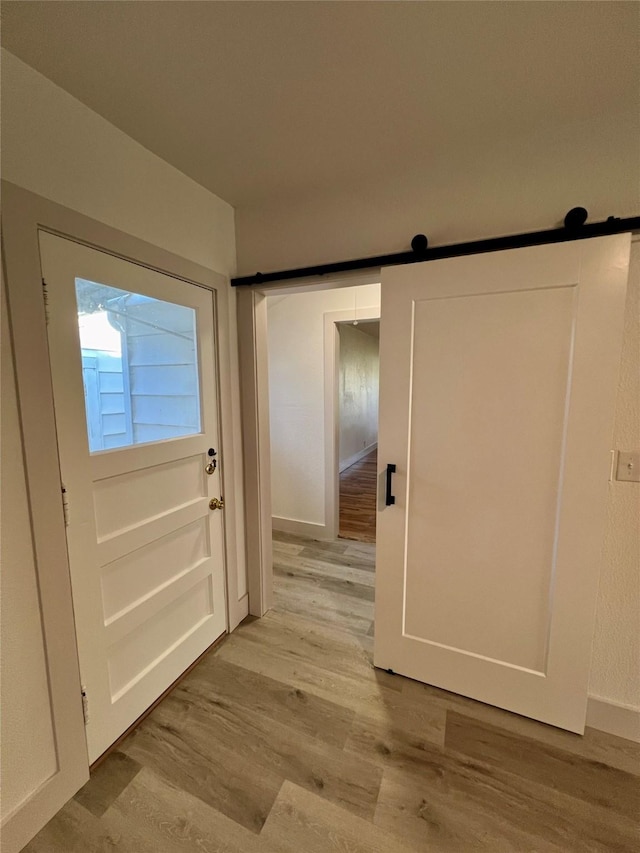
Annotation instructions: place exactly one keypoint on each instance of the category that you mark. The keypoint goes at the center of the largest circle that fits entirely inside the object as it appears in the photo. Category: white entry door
(497, 390)
(134, 376)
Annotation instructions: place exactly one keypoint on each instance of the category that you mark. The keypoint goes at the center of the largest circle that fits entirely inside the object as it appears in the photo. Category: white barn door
(139, 459)
(497, 390)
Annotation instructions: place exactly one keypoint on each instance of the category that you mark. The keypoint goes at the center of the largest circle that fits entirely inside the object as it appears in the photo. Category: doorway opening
(357, 410)
(482, 368)
(323, 364)
(322, 401)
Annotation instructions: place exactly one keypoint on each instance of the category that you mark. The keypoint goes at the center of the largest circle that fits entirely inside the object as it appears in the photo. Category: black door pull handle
(390, 499)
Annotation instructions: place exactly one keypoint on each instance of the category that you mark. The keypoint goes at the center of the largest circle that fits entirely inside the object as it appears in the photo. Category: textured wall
(358, 390)
(615, 670)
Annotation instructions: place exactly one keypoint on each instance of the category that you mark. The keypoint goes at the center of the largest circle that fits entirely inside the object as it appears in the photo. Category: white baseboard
(351, 460)
(614, 718)
(300, 528)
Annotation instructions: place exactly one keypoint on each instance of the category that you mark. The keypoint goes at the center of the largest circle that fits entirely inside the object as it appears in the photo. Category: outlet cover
(628, 467)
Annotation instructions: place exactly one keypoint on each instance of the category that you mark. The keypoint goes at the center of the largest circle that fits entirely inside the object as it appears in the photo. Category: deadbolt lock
(216, 503)
(213, 463)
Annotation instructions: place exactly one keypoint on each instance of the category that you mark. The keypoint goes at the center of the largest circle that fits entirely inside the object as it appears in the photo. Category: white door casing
(497, 391)
(44, 752)
(145, 550)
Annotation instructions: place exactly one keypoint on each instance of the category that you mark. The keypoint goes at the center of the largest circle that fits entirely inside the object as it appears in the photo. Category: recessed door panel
(146, 647)
(489, 398)
(144, 571)
(126, 500)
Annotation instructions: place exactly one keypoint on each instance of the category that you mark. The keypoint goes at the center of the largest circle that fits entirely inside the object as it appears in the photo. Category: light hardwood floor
(358, 488)
(285, 739)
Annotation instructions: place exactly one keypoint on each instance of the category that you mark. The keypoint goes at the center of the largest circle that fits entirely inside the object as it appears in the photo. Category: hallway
(286, 739)
(358, 499)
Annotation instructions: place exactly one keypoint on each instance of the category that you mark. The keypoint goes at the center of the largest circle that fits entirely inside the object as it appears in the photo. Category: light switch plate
(628, 467)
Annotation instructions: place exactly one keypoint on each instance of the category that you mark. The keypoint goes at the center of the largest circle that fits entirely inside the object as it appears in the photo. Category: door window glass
(139, 367)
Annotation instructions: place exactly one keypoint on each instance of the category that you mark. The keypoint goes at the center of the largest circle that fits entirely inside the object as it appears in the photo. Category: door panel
(488, 561)
(140, 645)
(129, 579)
(145, 550)
(482, 360)
(136, 497)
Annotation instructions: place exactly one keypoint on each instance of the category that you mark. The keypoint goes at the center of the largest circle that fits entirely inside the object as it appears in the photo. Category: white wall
(480, 187)
(55, 146)
(358, 392)
(296, 397)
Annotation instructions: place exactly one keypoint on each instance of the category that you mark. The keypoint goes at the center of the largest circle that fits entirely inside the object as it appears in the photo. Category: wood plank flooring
(285, 739)
(358, 489)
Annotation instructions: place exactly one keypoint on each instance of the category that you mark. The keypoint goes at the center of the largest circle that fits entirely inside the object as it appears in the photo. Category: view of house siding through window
(139, 367)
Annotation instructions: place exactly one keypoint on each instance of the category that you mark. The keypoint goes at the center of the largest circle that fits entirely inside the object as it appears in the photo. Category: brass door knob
(216, 503)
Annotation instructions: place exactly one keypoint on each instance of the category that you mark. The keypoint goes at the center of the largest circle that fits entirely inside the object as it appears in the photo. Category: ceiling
(256, 100)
